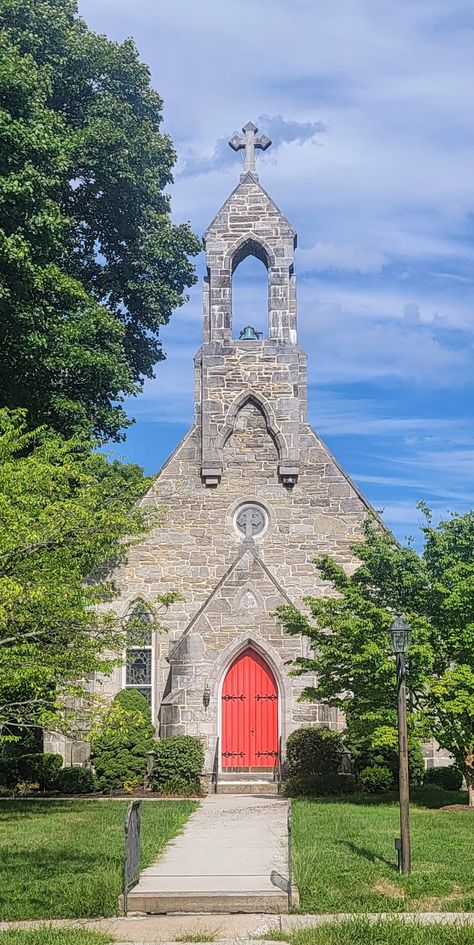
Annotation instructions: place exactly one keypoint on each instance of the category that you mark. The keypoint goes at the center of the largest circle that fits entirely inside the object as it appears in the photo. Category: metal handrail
(131, 871)
(278, 766)
(215, 769)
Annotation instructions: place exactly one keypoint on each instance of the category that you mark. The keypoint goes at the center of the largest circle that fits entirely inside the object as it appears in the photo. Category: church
(249, 498)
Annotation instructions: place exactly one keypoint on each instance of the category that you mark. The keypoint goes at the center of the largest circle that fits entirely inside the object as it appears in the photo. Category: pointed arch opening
(250, 714)
(250, 285)
(250, 296)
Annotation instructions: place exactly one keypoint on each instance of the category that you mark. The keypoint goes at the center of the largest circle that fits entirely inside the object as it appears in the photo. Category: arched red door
(249, 713)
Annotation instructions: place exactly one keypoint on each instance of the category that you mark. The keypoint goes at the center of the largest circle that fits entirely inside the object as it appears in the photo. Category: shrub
(42, 768)
(314, 751)
(119, 749)
(364, 755)
(310, 785)
(449, 777)
(75, 781)
(179, 762)
(376, 779)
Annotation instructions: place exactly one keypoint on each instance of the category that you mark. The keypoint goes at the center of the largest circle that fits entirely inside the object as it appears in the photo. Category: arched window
(139, 651)
(250, 296)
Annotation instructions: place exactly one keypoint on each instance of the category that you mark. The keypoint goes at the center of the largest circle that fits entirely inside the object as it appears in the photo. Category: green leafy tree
(66, 516)
(90, 263)
(352, 657)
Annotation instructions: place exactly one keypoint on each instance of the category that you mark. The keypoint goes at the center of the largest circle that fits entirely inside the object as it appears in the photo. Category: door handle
(252, 731)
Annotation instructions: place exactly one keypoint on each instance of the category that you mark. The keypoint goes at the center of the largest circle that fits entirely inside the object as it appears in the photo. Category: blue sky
(369, 108)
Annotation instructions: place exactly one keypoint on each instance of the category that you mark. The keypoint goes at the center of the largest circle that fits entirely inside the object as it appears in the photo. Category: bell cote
(235, 365)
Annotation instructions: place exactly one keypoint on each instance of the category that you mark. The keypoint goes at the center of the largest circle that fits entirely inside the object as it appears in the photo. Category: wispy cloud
(280, 130)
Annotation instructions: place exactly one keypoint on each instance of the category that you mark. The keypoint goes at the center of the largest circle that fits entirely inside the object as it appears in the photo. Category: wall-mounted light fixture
(206, 696)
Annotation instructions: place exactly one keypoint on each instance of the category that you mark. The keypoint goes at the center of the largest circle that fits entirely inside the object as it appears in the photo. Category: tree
(90, 264)
(352, 658)
(67, 516)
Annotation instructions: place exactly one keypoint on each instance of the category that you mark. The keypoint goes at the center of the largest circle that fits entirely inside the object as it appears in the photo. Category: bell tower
(269, 372)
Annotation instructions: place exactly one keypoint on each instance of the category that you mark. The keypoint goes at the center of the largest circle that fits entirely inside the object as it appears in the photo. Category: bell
(249, 334)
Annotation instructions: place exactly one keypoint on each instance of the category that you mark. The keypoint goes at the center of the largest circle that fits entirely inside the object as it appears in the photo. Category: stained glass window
(139, 655)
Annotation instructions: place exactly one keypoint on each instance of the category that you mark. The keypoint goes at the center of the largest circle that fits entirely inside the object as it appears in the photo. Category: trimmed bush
(449, 777)
(314, 751)
(310, 785)
(179, 762)
(40, 768)
(119, 749)
(75, 781)
(376, 779)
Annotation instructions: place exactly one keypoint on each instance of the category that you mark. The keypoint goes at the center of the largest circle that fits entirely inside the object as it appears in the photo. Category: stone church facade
(249, 497)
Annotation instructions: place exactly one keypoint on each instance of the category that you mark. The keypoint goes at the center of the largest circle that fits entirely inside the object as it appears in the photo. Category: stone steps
(247, 787)
(211, 901)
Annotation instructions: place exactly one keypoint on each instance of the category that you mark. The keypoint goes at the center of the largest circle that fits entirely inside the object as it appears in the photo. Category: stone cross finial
(249, 142)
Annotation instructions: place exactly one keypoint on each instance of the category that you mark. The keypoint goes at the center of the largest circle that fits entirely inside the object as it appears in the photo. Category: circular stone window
(250, 520)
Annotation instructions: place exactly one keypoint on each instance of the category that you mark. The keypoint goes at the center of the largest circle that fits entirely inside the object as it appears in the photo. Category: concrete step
(247, 787)
(212, 902)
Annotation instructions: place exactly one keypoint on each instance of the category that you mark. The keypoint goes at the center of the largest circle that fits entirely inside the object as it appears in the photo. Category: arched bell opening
(249, 714)
(250, 299)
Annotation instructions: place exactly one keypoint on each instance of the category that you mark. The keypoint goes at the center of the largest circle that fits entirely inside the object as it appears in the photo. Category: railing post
(215, 770)
(131, 870)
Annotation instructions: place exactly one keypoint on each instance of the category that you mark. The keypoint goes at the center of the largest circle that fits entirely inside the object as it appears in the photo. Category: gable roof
(249, 179)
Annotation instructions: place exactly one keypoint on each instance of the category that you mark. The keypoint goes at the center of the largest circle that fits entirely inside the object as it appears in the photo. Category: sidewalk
(157, 930)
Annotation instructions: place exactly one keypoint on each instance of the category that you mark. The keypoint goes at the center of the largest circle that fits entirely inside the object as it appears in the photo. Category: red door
(249, 714)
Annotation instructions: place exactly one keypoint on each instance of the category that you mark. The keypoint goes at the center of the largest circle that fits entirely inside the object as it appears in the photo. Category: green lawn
(391, 932)
(344, 857)
(61, 859)
(53, 937)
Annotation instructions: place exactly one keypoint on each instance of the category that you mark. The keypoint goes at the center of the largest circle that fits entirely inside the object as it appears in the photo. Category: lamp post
(400, 634)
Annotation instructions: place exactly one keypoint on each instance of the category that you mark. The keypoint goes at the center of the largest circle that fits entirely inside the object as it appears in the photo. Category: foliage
(320, 785)
(448, 777)
(353, 662)
(367, 750)
(314, 751)
(50, 936)
(376, 779)
(364, 931)
(66, 516)
(75, 781)
(41, 767)
(91, 265)
(74, 852)
(179, 762)
(344, 858)
(121, 743)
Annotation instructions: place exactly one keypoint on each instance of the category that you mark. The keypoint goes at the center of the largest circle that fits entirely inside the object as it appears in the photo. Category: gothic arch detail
(249, 397)
(249, 599)
(249, 246)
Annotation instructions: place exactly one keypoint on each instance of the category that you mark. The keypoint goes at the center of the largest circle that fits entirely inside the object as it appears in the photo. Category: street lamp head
(400, 634)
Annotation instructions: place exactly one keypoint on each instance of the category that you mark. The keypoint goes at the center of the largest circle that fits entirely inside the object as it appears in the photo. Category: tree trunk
(469, 776)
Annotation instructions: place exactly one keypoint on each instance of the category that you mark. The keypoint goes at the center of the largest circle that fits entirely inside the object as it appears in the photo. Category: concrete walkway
(222, 862)
(227, 929)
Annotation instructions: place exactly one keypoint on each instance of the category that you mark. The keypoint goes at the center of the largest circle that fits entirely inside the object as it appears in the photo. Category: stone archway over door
(249, 728)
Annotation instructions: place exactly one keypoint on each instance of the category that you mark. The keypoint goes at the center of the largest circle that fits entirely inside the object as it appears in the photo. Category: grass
(204, 936)
(53, 937)
(391, 932)
(64, 859)
(344, 858)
